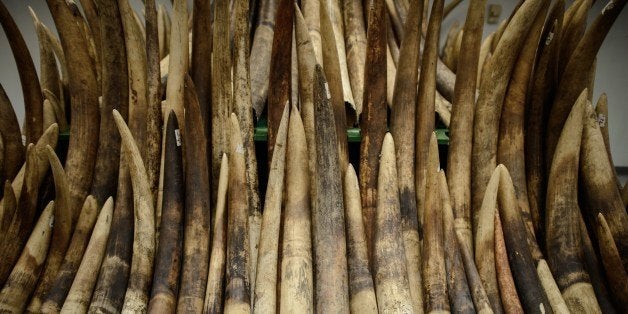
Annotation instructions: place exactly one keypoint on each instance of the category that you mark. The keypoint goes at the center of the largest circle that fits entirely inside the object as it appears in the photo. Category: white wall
(611, 76)
(612, 65)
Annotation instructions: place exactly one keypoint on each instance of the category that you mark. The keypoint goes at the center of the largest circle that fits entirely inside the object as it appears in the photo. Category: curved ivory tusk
(76, 250)
(136, 297)
(21, 283)
(85, 279)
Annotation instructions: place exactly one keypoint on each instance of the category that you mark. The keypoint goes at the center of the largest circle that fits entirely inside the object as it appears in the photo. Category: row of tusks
(526, 219)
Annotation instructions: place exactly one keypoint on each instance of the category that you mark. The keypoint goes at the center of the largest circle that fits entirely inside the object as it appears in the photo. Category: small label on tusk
(609, 6)
(177, 136)
(51, 223)
(327, 93)
(239, 149)
(601, 120)
(549, 38)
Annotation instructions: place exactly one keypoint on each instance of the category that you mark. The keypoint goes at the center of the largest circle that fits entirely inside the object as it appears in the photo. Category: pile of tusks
(155, 204)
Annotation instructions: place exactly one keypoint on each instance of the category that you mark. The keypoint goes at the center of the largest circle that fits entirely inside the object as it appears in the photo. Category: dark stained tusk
(328, 221)
(280, 74)
(531, 294)
(425, 112)
(195, 258)
(461, 126)
(493, 88)
(140, 277)
(83, 92)
(480, 299)
(506, 282)
(243, 107)
(14, 150)
(599, 183)
(154, 120)
(165, 288)
(21, 282)
(115, 95)
(31, 90)
(114, 270)
(61, 234)
(57, 294)
(333, 72)
(458, 286)
(373, 120)
(510, 144)
(611, 258)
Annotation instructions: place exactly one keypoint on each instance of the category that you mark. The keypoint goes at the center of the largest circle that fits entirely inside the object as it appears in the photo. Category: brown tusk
(83, 92)
(154, 118)
(373, 121)
(328, 223)
(426, 98)
(460, 298)
(197, 219)
(611, 258)
(14, 150)
(493, 89)
(599, 183)
(23, 278)
(58, 291)
(31, 90)
(165, 288)
(510, 144)
(114, 270)
(572, 79)
(243, 108)
(115, 95)
(506, 282)
(64, 222)
(531, 294)
(136, 298)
